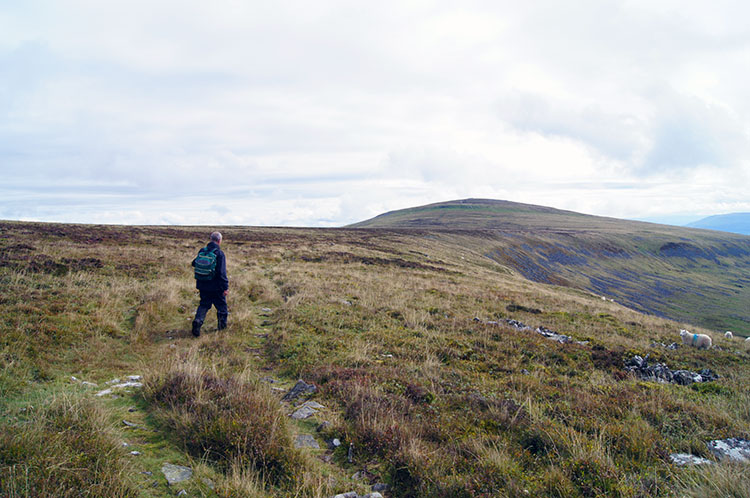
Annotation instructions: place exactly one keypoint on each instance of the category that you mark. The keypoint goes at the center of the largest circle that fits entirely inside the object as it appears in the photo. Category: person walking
(212, 282)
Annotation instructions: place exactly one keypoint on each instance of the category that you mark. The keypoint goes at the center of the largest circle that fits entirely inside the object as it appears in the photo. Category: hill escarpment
(698, 276)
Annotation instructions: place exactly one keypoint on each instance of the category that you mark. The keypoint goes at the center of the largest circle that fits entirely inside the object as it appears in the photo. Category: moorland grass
(64, 448)
(434, 402)
(224, 419)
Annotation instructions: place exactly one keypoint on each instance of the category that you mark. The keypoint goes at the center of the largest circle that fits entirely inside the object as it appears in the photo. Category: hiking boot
(222, 322)
(196, 328)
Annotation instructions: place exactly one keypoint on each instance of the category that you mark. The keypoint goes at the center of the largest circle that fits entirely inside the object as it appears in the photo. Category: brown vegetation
(434, 403)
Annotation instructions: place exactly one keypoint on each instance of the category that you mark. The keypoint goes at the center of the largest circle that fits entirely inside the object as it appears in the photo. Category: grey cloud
(688, 132)
(121, 107)
(674, 133)
(616, 135)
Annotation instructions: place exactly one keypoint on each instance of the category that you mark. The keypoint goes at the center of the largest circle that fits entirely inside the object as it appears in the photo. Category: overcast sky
(330, 112)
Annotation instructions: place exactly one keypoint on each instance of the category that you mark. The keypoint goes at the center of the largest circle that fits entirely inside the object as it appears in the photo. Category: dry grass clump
(225, 419)
(724, 480)
(64, 449)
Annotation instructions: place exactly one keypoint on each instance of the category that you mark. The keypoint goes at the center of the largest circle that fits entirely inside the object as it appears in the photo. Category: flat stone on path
(119, 386)
(307, 410)
(176, 473)
(304, 412)
(305, 441)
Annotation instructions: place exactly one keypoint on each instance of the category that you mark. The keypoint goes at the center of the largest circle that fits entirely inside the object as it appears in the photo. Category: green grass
(434, 403)
(65, 446)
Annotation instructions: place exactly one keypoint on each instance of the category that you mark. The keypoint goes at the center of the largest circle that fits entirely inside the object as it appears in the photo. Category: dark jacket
(220, 282)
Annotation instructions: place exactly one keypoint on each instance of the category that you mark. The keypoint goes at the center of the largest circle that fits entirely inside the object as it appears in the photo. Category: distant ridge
(733, 222)
(684, 273)
(490, 214)
(475, 214)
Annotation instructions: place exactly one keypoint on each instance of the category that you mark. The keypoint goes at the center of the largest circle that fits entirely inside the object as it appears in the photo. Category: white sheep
(695, 340)
(728, 334)
(747, 339)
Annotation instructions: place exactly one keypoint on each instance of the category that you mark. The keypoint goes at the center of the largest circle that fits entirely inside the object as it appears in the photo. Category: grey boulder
(176, 473)
(300, 388)
(734, 448)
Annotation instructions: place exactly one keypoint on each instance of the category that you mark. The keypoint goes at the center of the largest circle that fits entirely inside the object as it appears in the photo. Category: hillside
(436, 370)
(733, 222)
(681, 273)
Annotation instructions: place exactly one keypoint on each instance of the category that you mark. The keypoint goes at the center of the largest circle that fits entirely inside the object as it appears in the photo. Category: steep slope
(733, 222)
(698, 276)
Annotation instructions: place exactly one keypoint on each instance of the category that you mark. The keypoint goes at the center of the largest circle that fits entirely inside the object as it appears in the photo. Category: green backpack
(205, 264)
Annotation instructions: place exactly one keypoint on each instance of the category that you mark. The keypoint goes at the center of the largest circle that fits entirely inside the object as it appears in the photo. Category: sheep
(728, 334)
(747, 339)
(696, 340)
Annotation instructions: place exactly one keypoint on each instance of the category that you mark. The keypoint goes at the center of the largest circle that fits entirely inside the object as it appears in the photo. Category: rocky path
(163, 469)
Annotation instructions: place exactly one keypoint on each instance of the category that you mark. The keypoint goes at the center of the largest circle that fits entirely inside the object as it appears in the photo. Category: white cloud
(327, 113)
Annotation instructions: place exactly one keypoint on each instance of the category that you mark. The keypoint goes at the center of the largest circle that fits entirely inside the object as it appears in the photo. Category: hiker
(211, 280)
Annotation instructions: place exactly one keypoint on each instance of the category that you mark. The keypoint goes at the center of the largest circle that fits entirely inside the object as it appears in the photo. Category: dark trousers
(208, 299)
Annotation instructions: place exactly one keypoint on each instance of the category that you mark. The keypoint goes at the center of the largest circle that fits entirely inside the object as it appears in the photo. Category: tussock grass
(725, 480)
(225, 419)
(65, 448)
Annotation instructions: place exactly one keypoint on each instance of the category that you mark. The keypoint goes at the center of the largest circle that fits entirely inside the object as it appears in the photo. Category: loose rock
(303, 412)
(660, 372)
(119, 386)
(300, 388)
(561, 338)
(82, 382)
(516, 324)
(305, 441)
(683, 459)
(672, 346)
(313, 404)
(176, 473)
(734, 448)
